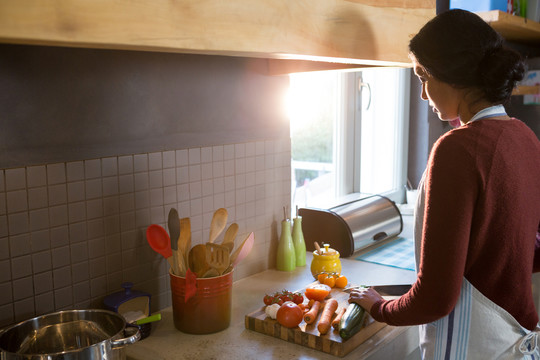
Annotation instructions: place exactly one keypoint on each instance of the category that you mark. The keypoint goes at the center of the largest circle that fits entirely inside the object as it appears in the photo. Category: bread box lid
(353, 225)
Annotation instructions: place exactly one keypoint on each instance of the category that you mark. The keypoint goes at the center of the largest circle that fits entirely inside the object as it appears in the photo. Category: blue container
(479, 5)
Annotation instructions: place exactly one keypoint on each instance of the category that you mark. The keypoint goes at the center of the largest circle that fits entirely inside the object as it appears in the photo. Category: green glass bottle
(286, 257)
(298, 241)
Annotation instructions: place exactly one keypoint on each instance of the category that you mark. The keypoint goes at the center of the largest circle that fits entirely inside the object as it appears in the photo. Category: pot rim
(117, 343)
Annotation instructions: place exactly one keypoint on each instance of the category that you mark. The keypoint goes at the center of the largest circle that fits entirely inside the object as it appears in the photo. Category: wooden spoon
(230, 235)
(217, 257)
(184, 242)
(319, 252)
(174, 231)
(197, 260)
(219, 220)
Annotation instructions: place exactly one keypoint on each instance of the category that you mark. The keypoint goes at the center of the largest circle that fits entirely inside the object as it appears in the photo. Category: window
(349, 133)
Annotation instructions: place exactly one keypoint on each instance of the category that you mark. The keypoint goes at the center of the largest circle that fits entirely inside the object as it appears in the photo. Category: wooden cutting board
(309, 336)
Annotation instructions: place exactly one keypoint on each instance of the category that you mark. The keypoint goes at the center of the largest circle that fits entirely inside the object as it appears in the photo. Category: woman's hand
(365, 297)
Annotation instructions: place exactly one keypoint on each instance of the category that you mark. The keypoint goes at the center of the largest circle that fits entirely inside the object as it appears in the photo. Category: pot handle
(134, 335)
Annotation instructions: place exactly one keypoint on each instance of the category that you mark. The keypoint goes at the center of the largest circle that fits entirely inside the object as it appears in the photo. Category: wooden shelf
(526, 90)
(513, 28)
(364, 32)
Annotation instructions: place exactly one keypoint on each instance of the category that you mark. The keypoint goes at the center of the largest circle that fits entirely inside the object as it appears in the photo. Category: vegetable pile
(290, 309)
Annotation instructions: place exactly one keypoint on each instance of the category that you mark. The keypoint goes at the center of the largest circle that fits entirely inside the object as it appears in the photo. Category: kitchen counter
(165, 342)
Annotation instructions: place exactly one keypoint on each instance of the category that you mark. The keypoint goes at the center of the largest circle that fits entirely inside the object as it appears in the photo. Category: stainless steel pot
(68, 335)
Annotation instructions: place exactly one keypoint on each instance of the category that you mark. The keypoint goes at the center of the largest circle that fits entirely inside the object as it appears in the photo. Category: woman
(479, 204)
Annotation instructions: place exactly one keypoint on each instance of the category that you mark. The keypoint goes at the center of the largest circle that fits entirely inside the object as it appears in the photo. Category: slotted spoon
(217, 257)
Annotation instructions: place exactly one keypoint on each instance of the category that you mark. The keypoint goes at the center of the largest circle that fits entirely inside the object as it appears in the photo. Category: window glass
(349, 134)
(312, 103)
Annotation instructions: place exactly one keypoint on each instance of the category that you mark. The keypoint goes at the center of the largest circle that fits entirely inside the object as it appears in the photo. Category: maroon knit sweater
(482, 211)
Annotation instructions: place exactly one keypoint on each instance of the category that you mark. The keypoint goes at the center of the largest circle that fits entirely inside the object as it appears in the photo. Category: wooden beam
(343, 31)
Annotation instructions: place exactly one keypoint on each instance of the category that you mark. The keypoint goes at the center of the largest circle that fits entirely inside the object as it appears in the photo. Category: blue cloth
(397, 253)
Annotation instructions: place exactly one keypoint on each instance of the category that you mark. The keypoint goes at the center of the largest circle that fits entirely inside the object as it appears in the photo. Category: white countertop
(165, 342)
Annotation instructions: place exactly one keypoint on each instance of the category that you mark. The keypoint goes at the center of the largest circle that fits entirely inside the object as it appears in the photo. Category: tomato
(285, 298)
(268, 300)
(290, 315)
(321, 277)
(317, 292)
(341, 281)
(330, 281)
(297, 298)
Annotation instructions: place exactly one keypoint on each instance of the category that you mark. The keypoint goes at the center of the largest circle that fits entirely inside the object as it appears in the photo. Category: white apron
(477, 328)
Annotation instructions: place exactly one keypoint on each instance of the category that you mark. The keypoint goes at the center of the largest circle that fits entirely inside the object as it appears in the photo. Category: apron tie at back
(529, 343)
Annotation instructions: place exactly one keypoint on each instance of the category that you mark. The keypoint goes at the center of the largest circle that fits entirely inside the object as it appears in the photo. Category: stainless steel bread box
(353, 225)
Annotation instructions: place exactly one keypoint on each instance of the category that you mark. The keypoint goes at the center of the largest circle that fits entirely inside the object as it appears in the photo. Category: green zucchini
(352, 321)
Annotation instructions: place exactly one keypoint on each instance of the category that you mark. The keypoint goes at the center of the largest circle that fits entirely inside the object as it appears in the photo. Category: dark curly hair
(461, 49)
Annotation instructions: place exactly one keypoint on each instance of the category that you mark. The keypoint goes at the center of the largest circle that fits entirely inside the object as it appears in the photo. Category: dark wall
(65, 104)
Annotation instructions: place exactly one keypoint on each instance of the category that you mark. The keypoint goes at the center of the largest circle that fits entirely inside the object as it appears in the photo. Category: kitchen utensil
(219, 220)
(197, 260)
(68, 335)
(230, 235)
(184, 244)
(159, 241)
(217, 257)
(174, 231)
(148, 319)
(212, 272)
(319, 252)
(241, 252)
(207, 309)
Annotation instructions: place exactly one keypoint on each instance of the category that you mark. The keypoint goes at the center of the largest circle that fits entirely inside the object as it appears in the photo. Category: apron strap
(529, 343)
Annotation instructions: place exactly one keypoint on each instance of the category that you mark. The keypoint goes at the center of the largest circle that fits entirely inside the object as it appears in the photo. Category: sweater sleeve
(451, 188)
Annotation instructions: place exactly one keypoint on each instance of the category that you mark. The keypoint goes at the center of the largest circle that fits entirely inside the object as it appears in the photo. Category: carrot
(337, 319)
(310, 303)
(326, 317)
(311, 315)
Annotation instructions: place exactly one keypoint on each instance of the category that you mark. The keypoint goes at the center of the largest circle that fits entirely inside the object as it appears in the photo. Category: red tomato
(298, 298)
(290, 315)
(268, 300)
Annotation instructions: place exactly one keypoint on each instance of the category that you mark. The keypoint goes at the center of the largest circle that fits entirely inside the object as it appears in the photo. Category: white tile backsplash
(92, 169)
(71, 233)
(56, 173)
(109, 166)
(125, 164)
(155, 161)
(194, 156)
(75, 171)
(36, 175)
(17, 201)
(15, 179)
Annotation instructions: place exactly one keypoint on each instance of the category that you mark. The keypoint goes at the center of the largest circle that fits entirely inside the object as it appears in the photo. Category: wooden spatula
(184, 245)
(197, 260)
(219, 220)
(217, 257)
(230, 235)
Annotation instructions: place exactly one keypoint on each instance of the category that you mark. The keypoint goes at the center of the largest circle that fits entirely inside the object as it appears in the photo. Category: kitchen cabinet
(359, 32)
